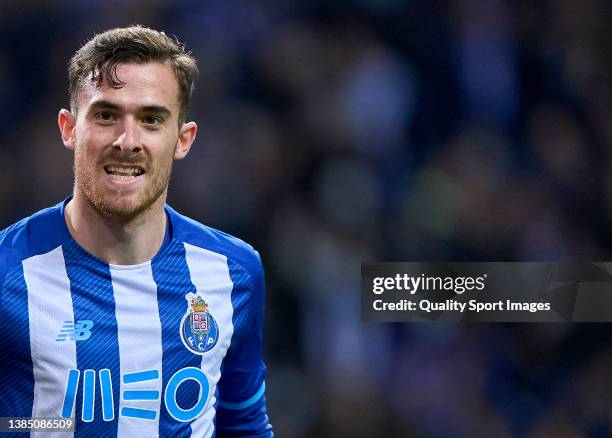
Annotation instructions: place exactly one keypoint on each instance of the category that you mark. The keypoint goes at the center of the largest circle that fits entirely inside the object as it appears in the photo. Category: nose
(129, 138)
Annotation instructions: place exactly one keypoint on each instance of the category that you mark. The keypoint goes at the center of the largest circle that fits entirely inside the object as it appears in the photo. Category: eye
(152, 120)
(104, 116)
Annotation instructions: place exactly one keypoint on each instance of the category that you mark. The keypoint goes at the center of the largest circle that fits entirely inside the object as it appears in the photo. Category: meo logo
(106, 389)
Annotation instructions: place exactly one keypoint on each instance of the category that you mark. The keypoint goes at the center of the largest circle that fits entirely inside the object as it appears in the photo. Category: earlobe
(66, 122)
(187, 135)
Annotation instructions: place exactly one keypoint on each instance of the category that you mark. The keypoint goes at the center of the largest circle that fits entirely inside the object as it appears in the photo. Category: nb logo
(80, 331)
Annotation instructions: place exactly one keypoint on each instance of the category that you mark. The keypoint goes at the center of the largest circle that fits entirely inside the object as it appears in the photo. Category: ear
(67, 122)
(187, 136)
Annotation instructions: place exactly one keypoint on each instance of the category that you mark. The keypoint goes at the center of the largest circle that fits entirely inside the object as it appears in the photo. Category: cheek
(165, 149)
(166, 160)
(88, 143)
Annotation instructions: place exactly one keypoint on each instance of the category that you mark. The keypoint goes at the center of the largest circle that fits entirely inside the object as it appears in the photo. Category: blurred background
(339, 132)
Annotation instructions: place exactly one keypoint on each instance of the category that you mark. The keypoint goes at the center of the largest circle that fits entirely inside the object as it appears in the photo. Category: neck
(115, 240)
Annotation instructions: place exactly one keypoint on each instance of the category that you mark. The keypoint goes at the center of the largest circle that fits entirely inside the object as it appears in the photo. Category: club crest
(199, 331)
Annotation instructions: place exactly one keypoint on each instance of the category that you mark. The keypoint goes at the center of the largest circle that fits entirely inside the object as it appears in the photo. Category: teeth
(124, 170)
(122, 177)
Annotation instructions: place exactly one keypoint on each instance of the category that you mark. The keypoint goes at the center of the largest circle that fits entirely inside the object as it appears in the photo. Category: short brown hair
(99, 57)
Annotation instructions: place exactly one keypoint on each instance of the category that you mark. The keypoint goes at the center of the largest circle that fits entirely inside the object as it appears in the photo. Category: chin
(125, 207)
(125, 204)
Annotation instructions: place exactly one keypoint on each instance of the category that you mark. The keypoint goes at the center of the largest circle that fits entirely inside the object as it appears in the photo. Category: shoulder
(207, 238)
(33, 235)
(245, 271)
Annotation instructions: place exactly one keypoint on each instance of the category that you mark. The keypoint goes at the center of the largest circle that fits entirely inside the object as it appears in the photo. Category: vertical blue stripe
(72, 383)
(92, 298)
(242, 301)
(17, 382)
(171, 274)
(216, 406)
(214, 434)
(106, 392)
(243, 377)
(241, 319)
(89, 393)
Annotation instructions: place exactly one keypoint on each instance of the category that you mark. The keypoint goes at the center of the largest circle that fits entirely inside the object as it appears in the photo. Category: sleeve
(241, 409)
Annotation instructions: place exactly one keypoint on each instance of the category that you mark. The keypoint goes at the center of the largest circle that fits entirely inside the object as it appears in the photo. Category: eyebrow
(105, 104)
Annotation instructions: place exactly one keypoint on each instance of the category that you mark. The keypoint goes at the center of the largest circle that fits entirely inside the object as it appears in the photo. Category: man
(115, 309)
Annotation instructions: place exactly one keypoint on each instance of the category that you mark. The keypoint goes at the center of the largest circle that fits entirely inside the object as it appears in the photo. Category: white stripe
(49, 306)
(140, 343)
(210, 275)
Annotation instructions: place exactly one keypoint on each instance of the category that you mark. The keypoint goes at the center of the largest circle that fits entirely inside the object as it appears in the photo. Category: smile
(123, 173)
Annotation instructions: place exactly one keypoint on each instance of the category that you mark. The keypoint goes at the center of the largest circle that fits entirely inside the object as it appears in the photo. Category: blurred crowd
(340, 132)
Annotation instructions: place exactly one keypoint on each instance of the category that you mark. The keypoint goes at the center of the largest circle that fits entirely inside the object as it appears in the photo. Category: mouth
(123, 173)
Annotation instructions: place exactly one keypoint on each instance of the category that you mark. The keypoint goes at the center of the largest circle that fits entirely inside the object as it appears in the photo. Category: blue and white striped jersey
(171, 347)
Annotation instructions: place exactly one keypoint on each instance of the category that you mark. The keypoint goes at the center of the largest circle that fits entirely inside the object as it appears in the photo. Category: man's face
(125, 139)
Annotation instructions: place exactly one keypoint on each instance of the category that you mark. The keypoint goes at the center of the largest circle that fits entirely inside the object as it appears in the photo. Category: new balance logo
(80, 331)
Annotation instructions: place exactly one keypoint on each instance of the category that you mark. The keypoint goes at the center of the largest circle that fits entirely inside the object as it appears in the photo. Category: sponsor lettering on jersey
(133, 396)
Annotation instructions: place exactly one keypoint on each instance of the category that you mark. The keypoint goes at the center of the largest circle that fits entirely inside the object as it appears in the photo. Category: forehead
(151, 83)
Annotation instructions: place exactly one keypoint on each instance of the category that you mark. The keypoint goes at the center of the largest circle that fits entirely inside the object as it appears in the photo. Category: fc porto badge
(199, 331)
